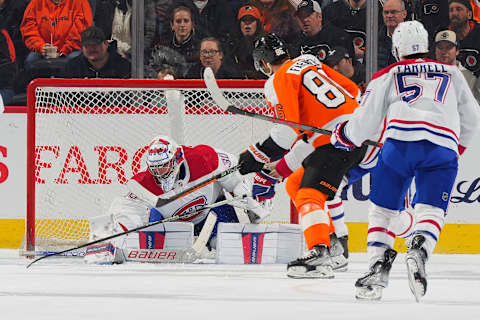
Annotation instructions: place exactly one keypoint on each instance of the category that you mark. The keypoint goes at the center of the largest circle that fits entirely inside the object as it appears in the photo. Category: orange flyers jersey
(306, 91)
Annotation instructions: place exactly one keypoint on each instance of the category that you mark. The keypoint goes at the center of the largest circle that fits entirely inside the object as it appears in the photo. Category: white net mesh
(89, 140)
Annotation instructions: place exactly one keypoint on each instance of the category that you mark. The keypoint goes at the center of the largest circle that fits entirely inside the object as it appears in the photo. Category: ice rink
(67, 289)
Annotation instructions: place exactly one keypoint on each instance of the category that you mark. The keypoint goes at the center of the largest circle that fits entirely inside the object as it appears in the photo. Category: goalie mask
(409, 38)
(269, 48)
(163, 160)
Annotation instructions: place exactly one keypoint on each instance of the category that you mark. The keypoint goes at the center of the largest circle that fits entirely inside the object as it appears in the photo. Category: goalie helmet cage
(87, 137)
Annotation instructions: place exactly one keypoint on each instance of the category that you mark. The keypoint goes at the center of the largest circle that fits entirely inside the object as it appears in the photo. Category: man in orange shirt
(52, 28)
(306, 91)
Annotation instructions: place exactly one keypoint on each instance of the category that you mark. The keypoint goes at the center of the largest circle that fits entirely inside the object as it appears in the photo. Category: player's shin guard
(402, 225)
(335, 207)
(379, 237)
(371, 284)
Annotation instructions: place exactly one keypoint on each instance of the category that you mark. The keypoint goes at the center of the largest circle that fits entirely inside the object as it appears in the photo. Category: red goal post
(87, 137)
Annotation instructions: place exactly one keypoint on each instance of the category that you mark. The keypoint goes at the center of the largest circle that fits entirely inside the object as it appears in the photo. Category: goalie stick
(223, 103)
(169, 219)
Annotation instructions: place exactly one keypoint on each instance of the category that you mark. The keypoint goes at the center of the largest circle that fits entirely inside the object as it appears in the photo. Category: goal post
(87, 137)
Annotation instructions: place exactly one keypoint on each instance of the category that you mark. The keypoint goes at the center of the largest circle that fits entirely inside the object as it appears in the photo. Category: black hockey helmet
(269, 48)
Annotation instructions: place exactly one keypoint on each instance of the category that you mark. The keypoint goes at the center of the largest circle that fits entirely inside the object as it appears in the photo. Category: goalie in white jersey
(432, 117)
(171, 169)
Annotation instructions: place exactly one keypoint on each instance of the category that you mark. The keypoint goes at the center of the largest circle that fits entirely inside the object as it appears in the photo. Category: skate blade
(371, 293)
(415, 285)
(321, 272)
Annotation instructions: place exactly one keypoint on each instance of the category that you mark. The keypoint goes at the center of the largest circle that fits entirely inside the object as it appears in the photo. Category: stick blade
(214, 90)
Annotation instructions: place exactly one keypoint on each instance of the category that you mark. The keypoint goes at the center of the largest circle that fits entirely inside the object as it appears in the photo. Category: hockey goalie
(171, 169)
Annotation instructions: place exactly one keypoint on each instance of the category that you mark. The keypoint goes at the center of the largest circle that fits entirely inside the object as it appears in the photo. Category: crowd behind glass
(93, 38)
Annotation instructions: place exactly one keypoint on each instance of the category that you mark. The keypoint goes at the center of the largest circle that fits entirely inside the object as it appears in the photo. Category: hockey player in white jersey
(172, 168)
(432, 117)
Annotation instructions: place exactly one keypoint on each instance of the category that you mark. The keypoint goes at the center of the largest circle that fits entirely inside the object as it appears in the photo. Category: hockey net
(87, 137)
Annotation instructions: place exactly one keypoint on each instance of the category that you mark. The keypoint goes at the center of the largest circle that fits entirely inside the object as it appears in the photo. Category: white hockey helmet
(409, 37)
(164, 159)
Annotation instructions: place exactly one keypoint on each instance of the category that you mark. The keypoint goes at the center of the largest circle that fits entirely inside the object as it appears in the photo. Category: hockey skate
(339, 261)
(316, 263)
(344, 242)
(371, 285)
(415, 259)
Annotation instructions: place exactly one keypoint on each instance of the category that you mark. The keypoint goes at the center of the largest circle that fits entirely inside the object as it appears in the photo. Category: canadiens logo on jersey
(193, 205)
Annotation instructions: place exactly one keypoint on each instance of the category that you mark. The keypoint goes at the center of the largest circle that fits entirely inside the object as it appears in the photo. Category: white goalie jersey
(200, 162)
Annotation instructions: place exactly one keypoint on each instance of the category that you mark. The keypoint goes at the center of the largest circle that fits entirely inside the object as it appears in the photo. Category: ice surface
(67, 289)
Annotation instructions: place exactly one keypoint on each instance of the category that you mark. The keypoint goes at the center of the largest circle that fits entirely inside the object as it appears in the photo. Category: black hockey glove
(251, 160)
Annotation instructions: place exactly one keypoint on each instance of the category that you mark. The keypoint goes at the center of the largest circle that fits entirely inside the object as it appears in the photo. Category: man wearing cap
(340, 60)
(242, 41)
(446, 50)
(317, 37)
(351, 16)
(467, 32)
(99, 58)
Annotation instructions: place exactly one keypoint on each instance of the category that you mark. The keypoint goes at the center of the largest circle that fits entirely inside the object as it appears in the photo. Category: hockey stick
(169, 219)
(162, 202)
(223, 103)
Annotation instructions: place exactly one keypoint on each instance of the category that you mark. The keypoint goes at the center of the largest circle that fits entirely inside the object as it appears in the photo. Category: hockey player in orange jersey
(306, 91)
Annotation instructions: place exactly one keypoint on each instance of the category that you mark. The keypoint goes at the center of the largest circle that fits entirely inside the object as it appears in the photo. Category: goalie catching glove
(257, 210)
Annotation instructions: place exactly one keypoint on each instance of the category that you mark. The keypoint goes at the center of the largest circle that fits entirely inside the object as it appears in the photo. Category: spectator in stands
(52, 28)
(7, 66)
(278, 18)
(468, 34)
(212, 55)
(162, 15)
(99, 58)
(114, 17)
(340, 60)
(11, 15)
(475, 9)
(433, 14)
(243, 41)
(351, 16)
(184, 39)
(216, 18)
(446, 50)
(393, 13)
(318, 38)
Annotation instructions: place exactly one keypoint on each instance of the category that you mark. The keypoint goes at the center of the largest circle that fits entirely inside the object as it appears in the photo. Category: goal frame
(104, 83)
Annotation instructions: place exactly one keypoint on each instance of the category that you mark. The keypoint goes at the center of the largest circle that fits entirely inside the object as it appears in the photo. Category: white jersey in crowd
(200, 163)
(1, 105)
(422, 99)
